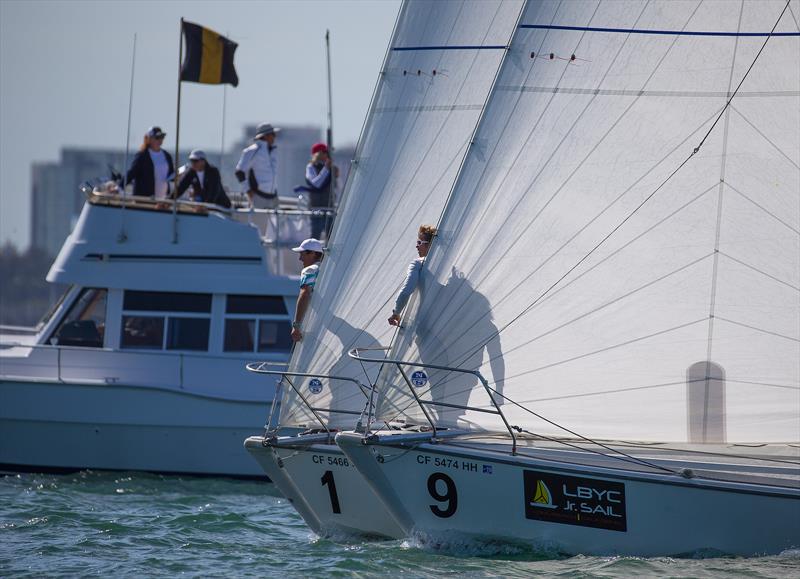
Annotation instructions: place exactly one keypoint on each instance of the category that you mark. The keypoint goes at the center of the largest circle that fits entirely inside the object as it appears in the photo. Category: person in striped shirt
(310, 255)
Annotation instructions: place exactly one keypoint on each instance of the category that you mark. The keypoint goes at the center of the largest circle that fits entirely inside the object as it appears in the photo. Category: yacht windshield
(53, 309)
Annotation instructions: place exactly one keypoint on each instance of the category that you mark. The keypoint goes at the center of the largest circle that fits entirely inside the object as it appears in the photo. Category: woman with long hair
(152, 167)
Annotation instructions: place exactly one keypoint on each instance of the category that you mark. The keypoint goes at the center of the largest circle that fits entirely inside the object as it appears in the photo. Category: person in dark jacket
(319, 177)
(152, 167)
(204, 179)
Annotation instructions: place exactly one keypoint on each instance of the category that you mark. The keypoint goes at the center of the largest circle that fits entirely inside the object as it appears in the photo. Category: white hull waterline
(445, 492)
(129, 428)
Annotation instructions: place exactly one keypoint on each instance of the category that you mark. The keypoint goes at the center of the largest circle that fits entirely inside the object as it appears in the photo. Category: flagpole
(330, 117)
(222, 138)
(177, 140)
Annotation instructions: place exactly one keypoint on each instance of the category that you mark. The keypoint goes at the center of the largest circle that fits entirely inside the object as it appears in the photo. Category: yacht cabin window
(256, 324)
(85, 323)
(166, 321)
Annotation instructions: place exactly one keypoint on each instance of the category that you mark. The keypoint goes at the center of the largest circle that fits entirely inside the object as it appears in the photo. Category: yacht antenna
(224, 108)
(123, 237)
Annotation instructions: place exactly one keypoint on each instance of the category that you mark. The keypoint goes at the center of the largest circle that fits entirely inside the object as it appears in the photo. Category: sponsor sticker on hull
(573, 500)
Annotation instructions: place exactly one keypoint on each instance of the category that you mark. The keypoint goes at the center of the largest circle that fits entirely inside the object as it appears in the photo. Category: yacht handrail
(258, 367)
(115, 199)
(355, 353)
(175, 354)
(138, 202)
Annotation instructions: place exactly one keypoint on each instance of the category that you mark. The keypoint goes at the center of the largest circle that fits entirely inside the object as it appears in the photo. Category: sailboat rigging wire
(628, 458)
(646, 199)
(122, 235)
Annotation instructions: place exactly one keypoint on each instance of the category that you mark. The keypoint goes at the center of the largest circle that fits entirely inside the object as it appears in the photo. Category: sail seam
(456, 47)
(764, 273)
(717, 235)
(660, 32)
(762, 208)
(645, 93)
(762, 330)
(430, 108)
(767, 139)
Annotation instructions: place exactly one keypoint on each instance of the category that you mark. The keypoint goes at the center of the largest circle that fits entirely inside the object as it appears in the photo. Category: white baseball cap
(309, 245)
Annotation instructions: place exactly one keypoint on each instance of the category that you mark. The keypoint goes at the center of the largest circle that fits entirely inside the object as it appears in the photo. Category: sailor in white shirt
(257, 169)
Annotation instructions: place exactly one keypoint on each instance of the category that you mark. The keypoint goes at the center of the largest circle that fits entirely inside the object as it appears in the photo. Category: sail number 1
(327, 480)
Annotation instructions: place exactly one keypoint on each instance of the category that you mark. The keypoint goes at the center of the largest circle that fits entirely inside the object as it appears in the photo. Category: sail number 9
(450, 496)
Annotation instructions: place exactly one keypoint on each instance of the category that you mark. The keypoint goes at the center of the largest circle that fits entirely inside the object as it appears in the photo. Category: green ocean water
(134, 524)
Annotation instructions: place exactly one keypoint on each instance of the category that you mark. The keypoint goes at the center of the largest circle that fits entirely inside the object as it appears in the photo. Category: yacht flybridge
(140, 365)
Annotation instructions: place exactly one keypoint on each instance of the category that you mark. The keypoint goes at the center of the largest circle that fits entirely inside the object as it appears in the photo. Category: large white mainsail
(683, 325)
(442, 61)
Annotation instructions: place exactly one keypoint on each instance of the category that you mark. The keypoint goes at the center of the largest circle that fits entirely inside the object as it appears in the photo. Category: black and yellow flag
(209, 56)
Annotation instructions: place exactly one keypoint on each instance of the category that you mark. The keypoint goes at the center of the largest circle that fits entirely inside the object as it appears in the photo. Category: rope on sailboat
(618, 454)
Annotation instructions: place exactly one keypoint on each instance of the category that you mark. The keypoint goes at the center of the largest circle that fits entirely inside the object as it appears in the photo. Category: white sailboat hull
(346, 509)
(118, 427)
(488, 496)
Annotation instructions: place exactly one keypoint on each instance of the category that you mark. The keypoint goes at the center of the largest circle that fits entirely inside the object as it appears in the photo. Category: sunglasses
(420, 242)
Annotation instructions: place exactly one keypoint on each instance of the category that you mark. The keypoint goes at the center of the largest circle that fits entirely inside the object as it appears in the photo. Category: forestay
(683, 325)
(442, 61)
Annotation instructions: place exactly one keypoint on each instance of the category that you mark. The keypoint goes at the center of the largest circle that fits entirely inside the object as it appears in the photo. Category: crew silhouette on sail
(454, 328)
(459, 342)
(345, 395)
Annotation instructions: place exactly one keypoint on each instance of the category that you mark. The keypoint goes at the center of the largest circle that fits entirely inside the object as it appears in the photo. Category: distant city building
(57, 200)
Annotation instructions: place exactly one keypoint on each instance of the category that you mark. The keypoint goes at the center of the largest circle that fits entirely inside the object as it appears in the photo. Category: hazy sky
(65, 76)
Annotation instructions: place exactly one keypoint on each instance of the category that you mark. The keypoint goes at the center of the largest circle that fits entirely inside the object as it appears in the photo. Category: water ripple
(134, 524)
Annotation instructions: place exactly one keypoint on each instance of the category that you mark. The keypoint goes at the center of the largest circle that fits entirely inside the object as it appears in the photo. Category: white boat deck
(776, 465)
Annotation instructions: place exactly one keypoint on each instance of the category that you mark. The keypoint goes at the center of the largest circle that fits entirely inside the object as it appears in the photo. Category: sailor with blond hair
(425, 236)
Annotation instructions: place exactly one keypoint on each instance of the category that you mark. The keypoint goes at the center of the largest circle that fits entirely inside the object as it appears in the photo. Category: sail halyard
(594, 106)
(435, 80)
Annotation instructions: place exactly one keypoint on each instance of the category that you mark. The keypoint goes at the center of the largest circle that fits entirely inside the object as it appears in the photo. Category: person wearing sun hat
(152, 167)
(310, 255)
(257, 169)
(204, 179)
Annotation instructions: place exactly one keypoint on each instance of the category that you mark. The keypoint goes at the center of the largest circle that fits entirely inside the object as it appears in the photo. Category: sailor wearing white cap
(310, 254)
(257, 169)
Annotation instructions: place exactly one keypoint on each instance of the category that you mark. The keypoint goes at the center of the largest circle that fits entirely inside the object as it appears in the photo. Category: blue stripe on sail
(662, 32)
(463, 47)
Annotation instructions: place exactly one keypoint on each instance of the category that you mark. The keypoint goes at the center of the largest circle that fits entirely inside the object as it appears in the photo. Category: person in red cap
(319, 178)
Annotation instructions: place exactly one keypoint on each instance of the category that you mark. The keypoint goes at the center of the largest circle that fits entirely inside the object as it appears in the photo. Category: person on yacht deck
(152, 167)
(425, 236)
(320, 177)
(257, 169)
(204, 180)
(310, 255)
